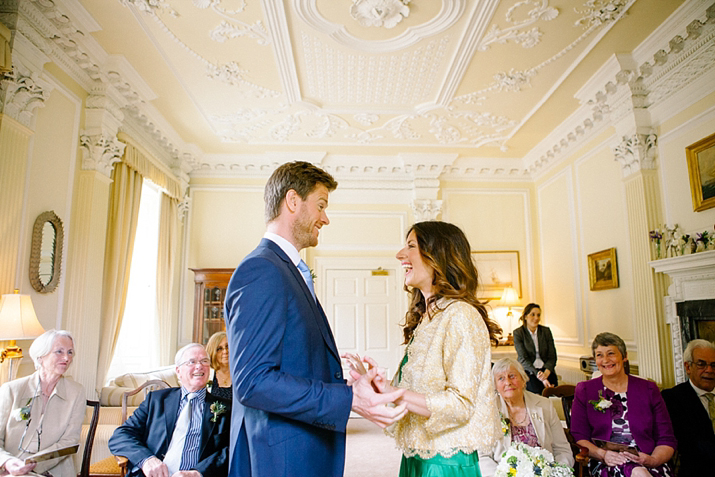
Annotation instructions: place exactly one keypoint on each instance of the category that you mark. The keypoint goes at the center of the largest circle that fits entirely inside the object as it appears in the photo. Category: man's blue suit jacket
(290, 401)
(148, 432)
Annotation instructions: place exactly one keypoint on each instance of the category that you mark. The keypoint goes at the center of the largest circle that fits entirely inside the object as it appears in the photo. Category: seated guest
(536, 350)
(46, 404)
(526, 418)
(624, 409)
(182, 432)
(217, 348)
(692, 409)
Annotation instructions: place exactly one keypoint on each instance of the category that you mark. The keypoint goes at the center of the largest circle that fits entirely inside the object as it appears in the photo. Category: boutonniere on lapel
(601, 404)
(22, 413)
(313, 275)
(217, 408)
(505, 424)
(536, 417)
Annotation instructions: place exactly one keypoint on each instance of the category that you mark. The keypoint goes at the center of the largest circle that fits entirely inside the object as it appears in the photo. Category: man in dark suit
(692, 411)
(290, 401)
(180, 432)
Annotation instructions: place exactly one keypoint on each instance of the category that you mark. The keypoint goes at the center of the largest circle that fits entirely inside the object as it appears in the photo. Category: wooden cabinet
(209, 294)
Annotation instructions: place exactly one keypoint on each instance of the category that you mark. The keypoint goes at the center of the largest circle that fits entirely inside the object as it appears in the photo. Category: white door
(365, 312)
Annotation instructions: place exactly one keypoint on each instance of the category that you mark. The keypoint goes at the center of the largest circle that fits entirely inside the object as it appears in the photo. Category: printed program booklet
(53, 454)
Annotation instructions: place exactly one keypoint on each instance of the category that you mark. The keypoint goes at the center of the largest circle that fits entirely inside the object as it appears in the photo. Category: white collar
(285, 245)
(699, 391)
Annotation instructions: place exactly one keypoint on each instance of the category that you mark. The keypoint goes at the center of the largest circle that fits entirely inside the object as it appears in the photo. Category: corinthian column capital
(22, 91)
(636, 152)
(100, 152)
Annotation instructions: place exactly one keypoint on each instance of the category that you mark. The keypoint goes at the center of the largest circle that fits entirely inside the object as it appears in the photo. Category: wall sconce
(18, 321)
(510, 298)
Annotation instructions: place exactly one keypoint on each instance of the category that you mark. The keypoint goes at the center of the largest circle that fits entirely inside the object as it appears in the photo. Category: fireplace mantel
(692, 278)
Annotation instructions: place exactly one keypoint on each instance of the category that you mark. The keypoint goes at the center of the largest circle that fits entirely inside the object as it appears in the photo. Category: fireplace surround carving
(692, 279)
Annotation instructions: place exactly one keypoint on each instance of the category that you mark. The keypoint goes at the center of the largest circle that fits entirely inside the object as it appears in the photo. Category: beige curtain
(139, 159)
(124, 200)
(168, 239)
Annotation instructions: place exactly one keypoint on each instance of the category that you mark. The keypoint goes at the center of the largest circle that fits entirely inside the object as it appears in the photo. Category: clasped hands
(372, 393)
(543, 376)
(613, 458)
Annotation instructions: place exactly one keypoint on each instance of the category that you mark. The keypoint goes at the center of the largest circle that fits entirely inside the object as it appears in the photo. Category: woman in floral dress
(622, 409)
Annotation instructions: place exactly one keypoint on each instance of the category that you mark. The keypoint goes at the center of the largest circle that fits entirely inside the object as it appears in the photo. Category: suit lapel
(207, 425)
(318, 314)
(171, 411)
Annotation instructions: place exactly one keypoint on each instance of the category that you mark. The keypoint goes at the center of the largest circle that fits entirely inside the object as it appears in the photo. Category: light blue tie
(305, 271)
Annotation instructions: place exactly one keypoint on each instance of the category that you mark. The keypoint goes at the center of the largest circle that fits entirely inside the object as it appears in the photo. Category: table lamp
(509, 298)
(18, 321)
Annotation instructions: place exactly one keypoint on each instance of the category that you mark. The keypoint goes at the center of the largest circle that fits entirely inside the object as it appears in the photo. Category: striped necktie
(175, 453)
(711, 408)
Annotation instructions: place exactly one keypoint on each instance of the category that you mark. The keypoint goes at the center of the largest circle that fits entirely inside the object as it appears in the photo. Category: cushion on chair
(112, 393)
(104, 467)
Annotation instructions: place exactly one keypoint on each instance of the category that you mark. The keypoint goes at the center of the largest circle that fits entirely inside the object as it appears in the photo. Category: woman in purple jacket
(624, 409)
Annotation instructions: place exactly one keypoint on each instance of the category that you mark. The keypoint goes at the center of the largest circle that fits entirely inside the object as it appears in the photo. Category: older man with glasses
(692, 410)
(181, 432)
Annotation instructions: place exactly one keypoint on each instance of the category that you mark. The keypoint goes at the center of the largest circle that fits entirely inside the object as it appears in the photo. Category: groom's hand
(153, 467)
(373, 406)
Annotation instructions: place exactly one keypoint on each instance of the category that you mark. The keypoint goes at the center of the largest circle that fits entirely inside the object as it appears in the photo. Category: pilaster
(100, 151)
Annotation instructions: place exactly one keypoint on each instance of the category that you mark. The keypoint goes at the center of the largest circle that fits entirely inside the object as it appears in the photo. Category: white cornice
(669, 57)
(477, 25)
(280, 36)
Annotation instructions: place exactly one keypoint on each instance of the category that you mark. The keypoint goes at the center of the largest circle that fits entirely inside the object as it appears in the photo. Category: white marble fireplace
(693, 278)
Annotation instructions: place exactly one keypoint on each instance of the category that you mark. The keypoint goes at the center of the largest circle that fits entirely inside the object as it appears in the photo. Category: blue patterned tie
(305, 271)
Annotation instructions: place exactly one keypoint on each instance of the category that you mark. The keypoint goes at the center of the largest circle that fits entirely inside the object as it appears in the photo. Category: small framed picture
(701, 169)
(498, 270)
(603, 270)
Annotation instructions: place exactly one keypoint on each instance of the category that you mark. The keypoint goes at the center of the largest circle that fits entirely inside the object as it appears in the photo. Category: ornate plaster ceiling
(482, 79)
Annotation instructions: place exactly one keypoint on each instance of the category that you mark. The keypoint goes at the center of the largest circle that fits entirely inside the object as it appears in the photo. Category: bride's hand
(357, 369)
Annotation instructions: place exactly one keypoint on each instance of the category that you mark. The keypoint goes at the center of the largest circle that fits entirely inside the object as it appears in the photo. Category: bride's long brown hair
(445, 248)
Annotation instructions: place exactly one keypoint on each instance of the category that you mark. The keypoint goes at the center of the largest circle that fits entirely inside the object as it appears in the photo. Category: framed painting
(701, 170)
(603, 270)
(497, 270)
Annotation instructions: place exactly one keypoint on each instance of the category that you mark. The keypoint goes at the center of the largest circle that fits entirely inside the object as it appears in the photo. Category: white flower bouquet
(521, 460)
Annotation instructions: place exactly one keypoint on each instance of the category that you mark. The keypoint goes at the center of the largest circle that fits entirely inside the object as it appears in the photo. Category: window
(136, 348)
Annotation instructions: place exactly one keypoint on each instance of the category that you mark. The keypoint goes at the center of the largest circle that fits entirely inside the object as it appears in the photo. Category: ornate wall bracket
(21, 93)
(426, 209)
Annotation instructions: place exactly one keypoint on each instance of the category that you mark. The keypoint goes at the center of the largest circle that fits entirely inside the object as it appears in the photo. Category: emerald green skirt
(459, 465)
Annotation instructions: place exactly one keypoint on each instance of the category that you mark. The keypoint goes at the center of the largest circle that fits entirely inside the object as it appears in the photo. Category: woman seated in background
(43, 411)
(536, 350)
(526, 418)
(217, 349)
(624, 409)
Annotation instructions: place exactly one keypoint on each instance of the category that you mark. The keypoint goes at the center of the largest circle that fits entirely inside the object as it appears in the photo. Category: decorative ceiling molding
(451, 11)
(380, 13)
(679, 60)
(280, 34)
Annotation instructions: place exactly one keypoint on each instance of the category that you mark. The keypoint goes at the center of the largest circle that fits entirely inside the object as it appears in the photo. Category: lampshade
(509, 297)
(18, 320)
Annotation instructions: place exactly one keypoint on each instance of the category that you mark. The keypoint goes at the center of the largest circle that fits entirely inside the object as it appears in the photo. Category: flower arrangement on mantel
(672, 242)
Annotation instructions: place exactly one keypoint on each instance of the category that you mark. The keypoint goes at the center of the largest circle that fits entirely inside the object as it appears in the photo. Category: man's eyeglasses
(194, 362)
(701, 365)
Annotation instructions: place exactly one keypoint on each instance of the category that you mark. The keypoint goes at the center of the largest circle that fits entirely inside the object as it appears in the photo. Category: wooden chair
(116, 466)
(89, 442)
(566, 393)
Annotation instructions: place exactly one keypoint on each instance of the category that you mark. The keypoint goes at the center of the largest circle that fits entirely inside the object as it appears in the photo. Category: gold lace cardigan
(449, 361)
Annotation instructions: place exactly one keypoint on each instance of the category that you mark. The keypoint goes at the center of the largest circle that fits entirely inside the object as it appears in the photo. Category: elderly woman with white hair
(43, 411)
(526, 417)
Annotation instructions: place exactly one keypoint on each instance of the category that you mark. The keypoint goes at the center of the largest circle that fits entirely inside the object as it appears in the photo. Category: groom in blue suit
(290, 401)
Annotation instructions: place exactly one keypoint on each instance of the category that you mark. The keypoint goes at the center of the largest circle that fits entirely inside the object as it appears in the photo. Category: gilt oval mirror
(46, 252)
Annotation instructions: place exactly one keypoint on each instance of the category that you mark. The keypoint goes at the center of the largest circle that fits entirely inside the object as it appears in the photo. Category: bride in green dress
(446, 367)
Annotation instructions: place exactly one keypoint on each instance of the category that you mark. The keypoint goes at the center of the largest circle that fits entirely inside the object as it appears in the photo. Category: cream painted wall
(49, 187)
(602, 224)
(693, 124)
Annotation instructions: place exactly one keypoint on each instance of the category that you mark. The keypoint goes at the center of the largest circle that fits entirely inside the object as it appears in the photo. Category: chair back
(89, 442)
(146, 388)
(565, 392)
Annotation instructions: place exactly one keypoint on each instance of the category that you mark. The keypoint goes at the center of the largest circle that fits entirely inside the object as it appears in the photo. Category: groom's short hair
(300, 176)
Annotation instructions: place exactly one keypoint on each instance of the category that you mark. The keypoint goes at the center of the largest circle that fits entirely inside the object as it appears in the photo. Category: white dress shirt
(285, 245)
(538, 362)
